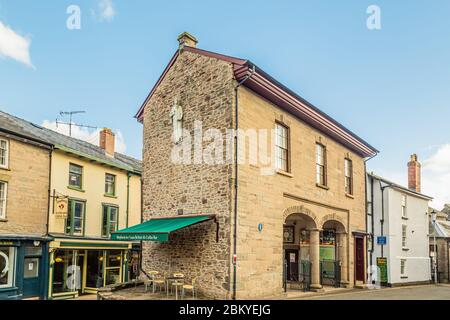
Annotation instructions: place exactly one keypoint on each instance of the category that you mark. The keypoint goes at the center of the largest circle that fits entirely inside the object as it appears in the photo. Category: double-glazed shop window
(75, 218)
(3, 197)
(282, 147)
(4, 153)
(7, 267)
(75, 176)
(110, 220)
(110, 184)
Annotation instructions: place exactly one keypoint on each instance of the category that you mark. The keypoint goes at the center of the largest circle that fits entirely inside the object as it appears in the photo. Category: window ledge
(75, 189)
(405, 249)
(3, 220)
(110, 196)
(405, 218)
(284, 173)
(322, 186)
(5, 168)
(348, 195)
(404, 277)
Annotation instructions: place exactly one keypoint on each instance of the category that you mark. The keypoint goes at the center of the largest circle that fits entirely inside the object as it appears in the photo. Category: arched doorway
(333, 254)
(298, 250)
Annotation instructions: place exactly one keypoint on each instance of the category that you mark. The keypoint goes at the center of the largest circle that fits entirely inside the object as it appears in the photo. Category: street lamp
(433, 218)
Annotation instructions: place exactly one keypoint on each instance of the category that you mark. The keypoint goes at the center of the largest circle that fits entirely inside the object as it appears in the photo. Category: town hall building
(282, 209)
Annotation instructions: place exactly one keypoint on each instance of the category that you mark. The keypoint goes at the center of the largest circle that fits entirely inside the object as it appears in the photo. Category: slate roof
(21, 127)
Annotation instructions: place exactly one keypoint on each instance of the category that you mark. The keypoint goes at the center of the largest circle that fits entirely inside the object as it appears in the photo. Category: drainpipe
(382, 215)
(49, 190)
(128, 198)
(236, 140)
(365, 206)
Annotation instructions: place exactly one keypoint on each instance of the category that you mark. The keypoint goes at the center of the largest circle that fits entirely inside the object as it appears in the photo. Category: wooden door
(291, 257)
(359, 259)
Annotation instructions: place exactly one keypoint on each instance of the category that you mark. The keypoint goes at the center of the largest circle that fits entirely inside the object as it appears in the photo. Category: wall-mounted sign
(381, 240)
(61, 208)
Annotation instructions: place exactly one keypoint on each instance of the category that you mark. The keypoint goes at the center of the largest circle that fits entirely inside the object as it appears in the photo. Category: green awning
(158, 229)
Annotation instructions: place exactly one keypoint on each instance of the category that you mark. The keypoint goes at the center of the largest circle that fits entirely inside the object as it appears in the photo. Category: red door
(359, 259)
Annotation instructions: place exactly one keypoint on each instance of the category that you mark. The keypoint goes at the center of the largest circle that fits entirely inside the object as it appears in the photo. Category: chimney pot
(107, 141)
(414, 174)
(187, 39)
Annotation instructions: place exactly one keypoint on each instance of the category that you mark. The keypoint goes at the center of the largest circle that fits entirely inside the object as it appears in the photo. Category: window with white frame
(282, 147)
(403, 267)
(404, 229)
(348, 171)
(3, 197)
(321, 161)
(4, 153)
(404, 214)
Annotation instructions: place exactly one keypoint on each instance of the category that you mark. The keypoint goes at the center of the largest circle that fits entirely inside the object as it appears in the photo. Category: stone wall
(270, 199)
(204, 88)
(28, 184)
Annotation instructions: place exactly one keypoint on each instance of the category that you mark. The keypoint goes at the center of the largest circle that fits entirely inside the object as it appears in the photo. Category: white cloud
(14, 46)
(85, 135)
(106, 10)
(436, 176)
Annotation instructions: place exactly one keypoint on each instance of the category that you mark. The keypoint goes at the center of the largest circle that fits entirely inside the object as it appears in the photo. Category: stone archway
(305, 225)
(337, 224)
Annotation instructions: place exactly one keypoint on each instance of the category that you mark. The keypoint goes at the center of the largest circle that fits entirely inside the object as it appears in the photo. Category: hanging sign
(61, 208)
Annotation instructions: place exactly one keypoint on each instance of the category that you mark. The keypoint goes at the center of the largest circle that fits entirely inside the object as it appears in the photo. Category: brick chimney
(187, 39)
(414, 169)
(107, 141)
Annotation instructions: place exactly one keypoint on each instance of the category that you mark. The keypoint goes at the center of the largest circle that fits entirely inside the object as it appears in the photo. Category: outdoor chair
(160, 281)
(148, 282)
(191, 287)
(178, 282)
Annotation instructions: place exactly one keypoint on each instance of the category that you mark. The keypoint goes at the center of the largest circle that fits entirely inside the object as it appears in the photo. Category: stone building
(290, 193)
(440, 243)
(24, 187)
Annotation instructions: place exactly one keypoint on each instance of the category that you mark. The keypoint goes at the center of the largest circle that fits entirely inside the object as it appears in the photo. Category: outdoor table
(175, 279)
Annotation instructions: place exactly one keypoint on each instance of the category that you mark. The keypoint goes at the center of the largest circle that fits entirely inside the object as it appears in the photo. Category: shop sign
(61, 208)
(382, 267)
(160, 237)
(6, 243)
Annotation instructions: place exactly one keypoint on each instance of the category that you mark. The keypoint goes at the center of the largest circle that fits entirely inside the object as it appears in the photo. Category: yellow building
(95, 191)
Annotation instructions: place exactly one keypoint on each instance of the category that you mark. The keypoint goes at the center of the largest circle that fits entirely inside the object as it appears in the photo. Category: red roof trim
(269, 88)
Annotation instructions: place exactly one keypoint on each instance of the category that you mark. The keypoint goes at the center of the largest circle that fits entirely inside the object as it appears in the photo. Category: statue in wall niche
(176, 116)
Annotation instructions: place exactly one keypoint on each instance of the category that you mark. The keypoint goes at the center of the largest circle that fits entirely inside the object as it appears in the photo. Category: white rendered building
(397, 224)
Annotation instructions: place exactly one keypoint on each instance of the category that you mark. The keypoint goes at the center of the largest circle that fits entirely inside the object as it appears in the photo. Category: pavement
(426, 292)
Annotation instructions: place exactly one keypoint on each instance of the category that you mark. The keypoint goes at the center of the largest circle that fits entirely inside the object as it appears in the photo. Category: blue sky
(389, 86)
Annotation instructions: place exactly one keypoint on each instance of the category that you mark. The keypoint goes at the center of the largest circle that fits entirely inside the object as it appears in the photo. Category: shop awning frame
(159, 229)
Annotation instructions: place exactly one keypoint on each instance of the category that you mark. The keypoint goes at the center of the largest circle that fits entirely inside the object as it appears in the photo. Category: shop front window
(66, 272)
(113, 266)
(94, 271)
(7, 258)
(328, 245)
